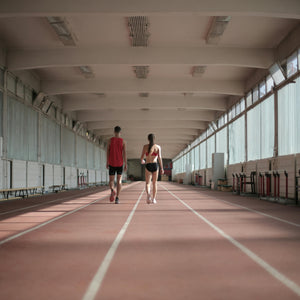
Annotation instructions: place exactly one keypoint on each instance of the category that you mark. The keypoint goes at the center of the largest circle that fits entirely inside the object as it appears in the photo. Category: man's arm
(107, 154)
(125, 156)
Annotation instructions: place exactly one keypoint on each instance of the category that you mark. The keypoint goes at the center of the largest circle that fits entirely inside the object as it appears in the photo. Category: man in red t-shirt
(116, 158)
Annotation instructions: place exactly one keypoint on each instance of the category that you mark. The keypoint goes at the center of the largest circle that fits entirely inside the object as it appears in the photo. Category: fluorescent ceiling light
(198, 71)
(141, 72)
(277, 73)
(63, 31)
(217, 29)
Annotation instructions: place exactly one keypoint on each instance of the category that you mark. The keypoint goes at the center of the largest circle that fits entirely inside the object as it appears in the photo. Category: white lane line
(44, 203)
(96, 282)
(258, 212)
(47, 222)
(271, 270)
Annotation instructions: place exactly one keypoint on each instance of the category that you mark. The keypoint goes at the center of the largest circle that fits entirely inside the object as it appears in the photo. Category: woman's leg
(154, 181)
(148, 176)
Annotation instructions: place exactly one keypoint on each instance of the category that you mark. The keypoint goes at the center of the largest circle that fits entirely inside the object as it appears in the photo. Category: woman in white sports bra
(153, 154)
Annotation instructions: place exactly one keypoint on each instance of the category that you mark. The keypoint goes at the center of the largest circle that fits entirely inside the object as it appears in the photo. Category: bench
(21, 192)
(58, 187)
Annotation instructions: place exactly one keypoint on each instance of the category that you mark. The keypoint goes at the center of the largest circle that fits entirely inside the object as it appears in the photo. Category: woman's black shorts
(151, 167)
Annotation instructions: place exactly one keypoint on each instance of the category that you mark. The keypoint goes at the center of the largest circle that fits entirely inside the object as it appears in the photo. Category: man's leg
(111, 186)
(119, 184)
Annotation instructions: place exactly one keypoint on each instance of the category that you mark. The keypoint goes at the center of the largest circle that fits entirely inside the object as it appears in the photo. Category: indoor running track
(193, 244)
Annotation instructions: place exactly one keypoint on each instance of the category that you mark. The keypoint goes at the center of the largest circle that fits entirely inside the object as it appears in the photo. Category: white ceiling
(177, 43)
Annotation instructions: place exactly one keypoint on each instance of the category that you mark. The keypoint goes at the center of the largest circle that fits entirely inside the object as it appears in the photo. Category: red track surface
(193, 244)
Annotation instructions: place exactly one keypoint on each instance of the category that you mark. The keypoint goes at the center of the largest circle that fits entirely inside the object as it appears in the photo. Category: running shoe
(148, 199)
(154, 201)
(117, 200)
(112, 196)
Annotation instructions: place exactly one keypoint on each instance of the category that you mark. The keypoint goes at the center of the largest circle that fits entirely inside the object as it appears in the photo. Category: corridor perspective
(200, 96)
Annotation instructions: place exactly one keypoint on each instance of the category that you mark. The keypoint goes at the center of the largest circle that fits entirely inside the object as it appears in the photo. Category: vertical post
(275, 154)
(5, 132)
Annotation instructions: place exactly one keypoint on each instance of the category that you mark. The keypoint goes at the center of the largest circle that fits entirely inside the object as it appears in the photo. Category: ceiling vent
(63, 31)
(144, 95)
(198, 71)
(141, 72)
(138, 31)
(217, 29)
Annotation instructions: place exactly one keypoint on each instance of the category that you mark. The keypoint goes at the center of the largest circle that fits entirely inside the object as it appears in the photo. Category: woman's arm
(160, 160)
(143, 155)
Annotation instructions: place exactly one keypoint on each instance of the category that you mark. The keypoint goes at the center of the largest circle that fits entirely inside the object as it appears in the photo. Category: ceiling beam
(151, 115)
(195, 85)
(133, 132)
(262, 8)
(158, 124)
(91, 102)
(34, 59)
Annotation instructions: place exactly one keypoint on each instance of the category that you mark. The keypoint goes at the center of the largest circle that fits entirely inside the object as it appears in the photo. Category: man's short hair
(117, 129)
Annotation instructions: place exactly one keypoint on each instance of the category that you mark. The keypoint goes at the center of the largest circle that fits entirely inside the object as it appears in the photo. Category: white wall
(33, 174)
(57, 172)
(19, 173)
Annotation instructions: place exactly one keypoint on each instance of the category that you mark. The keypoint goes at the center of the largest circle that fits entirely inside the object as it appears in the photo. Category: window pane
(11, 83)
(262, 89)
(288, 119)
(277, 74)
(267, 127)
(197, 166)
(1, 77)
(242, 104)
(270, 83)
(255, 94)
(249, 99)
(210, 150)
(237, 141)
(1, 112)
(253, 133)
(20, 89)
(291, 66)
(221, 143)
(203, 155)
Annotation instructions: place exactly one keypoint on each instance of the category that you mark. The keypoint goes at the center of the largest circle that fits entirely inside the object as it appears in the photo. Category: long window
(210, 150)
(50, 141)
(203, 155)
(260, 130)
(221, 143)
(288, 119)
(197, 163)
(1, 113)
(22, 131)
(237, 141)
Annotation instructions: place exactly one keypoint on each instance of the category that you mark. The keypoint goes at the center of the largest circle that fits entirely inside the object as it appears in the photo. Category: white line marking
(258, 212)
(271, 270)
(44, 203)
(47, 222)
(96, 282)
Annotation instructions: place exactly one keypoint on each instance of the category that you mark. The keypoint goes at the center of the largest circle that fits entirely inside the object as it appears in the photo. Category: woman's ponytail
(151, 138)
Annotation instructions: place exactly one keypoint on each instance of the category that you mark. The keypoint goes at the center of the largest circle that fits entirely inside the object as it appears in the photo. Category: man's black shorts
(113, 170)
